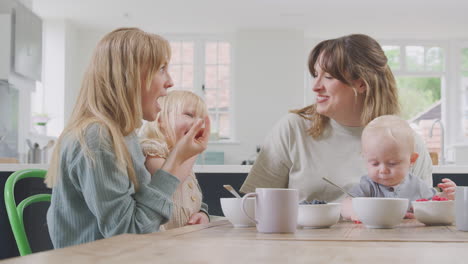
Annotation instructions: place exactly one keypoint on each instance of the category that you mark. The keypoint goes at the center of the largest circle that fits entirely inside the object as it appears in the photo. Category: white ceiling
(381, 18)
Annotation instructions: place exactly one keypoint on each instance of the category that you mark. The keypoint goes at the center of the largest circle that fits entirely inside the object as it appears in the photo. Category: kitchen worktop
(224, 168)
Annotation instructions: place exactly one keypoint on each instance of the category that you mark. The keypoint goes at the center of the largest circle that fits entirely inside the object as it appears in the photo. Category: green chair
(15, 213)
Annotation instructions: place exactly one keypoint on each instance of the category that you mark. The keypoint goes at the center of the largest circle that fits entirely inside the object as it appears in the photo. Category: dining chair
(15, 212)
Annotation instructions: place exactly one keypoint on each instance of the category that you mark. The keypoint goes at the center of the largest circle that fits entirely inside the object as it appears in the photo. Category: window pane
(224, 126)
(211, 99)
(187, 77)
(223, 99)
(187, 53)
(223, 77)
(393, 56)
(424, 127)
(211, 76)
(217, 85)
(214, 135)
(417, 94)
(464, 57)
(224, 55)
(211, 52)
(176, 52)
(420, 100)
(434, 59)
(464, 62)
(176, 75)
(415, 58)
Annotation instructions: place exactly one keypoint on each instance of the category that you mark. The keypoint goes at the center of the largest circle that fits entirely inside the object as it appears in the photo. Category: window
(420, 71)
(464, 87)
(205, 67)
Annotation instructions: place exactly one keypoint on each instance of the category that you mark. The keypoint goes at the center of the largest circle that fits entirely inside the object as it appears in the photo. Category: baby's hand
(198, 218)
(448, 188)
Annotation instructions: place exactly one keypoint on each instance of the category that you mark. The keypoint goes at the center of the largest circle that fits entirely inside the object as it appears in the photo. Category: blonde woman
(353, 85)
(179, 111)
(101, 187)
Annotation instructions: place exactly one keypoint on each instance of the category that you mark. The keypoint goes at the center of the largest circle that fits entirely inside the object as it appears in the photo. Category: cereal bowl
(232, 210)
(318, 215)
(434, 212)
(376, 212)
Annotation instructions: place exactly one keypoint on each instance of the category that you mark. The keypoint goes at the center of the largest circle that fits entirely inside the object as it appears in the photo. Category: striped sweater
(94, 199)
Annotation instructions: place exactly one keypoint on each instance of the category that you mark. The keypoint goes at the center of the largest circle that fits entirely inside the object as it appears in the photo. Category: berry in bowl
(437, 211)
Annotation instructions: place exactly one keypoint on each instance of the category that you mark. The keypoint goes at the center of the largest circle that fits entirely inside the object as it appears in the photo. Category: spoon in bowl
(231, 190)
(337, 186)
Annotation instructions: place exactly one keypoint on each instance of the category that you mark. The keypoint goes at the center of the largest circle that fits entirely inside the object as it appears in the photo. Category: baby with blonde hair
(179, 111)
(388, 150)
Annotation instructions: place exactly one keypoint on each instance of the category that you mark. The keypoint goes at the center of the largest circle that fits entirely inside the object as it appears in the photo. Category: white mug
(275, 209)
(461, 208)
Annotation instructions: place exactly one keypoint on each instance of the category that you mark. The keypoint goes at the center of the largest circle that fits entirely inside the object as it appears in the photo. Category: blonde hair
(351, 58)
(110, 93)
(393, 127)
(160, 134)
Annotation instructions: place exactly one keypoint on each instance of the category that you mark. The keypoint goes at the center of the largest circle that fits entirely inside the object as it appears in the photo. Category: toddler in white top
(179, 111)
(388, 150)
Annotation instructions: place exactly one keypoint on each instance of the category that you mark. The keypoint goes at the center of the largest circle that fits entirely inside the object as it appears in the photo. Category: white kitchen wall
(268, 81)
(54, 32)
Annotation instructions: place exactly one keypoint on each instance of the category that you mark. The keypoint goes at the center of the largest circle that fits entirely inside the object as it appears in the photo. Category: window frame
(199, 64)
(457, 100)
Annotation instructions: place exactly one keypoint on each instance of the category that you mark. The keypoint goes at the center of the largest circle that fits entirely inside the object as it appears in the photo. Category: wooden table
(219, 242)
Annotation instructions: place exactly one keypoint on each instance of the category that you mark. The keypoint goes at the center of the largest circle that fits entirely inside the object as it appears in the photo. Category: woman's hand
(448, 188)
(198, 218)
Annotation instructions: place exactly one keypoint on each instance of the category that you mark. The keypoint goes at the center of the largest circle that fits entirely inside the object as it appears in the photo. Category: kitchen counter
(451, 169)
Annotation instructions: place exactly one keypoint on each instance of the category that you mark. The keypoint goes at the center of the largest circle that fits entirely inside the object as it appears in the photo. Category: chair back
(15, 212)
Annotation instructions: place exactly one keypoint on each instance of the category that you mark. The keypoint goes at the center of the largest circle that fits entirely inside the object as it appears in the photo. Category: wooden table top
(219, 242)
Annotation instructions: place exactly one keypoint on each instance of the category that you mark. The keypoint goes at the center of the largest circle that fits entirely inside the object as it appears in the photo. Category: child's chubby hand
(448, 188)
(198, 218)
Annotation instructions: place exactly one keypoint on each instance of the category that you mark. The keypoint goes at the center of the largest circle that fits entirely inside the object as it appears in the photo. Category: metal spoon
(231, 190)
(337, 186)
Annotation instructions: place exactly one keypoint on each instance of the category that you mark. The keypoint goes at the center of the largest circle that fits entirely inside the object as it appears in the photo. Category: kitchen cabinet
(5, 46)
(27, 43)
(21, 45)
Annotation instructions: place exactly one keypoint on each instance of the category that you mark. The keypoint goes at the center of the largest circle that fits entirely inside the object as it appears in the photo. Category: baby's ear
(414, 157)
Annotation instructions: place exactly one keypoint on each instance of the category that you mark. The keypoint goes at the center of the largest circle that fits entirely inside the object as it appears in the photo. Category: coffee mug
(275, 209)
(461, 208)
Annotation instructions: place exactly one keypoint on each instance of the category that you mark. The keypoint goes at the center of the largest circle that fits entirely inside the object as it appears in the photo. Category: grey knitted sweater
(94, 199)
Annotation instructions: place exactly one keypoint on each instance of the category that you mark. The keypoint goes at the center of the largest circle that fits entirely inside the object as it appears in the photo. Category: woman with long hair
(101, 186)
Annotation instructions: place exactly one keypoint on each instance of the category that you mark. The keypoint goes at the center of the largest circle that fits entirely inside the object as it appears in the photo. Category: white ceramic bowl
(318, 215)
(376, 212)
(232, 210)
(434, 212)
